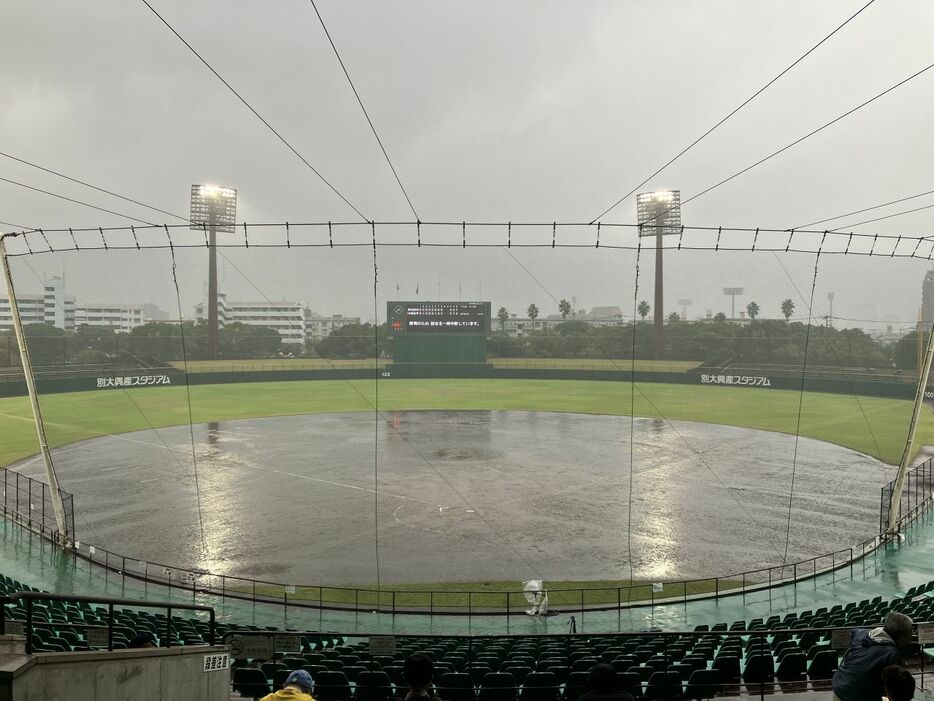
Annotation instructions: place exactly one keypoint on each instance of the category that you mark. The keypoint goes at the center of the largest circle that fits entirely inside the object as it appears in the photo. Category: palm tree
(644, 309)
(565, 308)
(752, 309)
(788, 308)
(674, 317)
(719, 316)
(503, 315)
(532, 311)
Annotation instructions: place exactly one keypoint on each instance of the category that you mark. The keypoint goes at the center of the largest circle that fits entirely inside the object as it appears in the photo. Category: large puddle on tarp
(447, 496)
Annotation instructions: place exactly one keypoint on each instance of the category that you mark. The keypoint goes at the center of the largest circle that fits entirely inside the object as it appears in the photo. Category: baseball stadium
(300, 452)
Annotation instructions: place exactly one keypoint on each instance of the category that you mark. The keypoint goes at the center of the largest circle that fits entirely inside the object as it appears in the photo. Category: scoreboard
(438, 318)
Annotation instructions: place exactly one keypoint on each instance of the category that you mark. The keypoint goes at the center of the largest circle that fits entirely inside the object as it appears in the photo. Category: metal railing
(27, 502)
(29, 597)
(465, 602)
(917, 496)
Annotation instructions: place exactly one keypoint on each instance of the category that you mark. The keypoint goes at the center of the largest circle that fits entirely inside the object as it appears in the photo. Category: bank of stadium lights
(659, 213)
(733, 293)
(684, 304)
(213, 208)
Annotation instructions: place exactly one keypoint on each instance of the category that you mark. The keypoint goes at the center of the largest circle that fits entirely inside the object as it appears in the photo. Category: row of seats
(756, 652)
(477, 667)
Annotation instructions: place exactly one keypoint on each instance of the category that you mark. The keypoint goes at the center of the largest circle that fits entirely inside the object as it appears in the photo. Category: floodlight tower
(659, 212)
(732, 293)
(830, 296)
(684, 304)
(213, 208)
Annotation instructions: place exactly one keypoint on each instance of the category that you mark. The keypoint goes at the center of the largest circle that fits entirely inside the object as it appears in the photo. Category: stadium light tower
(732, 293)
(659, 213)
(684, 304)
(213, 208)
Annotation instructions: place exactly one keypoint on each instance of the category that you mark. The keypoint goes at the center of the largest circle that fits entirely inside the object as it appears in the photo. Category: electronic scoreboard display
(438, 317)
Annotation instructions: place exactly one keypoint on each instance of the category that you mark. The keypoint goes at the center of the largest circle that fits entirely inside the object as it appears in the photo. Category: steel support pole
(659, 294)
(212, 283)
(896, 498)
(56, 495)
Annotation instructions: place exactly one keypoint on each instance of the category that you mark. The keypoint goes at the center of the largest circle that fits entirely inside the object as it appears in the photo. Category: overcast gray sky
(490, 111)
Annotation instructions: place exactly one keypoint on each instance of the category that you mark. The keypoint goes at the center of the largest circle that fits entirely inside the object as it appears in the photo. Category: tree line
(714, 341)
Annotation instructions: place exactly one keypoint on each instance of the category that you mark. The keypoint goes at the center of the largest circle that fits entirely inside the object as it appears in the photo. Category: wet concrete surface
(467, 496)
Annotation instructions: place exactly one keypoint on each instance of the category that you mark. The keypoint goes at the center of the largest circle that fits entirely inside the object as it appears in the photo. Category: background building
(52, 307)
(319, 327)
(121, 318)
(288, 318)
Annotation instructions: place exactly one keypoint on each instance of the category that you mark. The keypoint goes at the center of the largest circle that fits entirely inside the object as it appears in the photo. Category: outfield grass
(872, 425)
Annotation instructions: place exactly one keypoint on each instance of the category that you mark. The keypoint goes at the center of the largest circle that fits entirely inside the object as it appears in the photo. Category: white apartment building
(51, 307)
(288, 318)
(319, 327)
(122, 318)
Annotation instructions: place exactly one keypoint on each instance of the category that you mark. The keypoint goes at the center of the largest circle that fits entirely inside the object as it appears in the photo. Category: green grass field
(871, 425)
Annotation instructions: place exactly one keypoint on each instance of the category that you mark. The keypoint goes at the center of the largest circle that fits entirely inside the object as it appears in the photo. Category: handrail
(30, 596)
(393, 600)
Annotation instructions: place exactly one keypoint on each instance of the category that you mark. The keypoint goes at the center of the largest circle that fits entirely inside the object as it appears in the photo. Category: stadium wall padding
(895, 390)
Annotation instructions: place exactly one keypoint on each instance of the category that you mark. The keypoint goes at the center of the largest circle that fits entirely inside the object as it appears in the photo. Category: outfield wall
(172, 376)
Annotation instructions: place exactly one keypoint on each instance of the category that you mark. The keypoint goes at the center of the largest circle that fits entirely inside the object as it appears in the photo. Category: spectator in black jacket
(859, 677)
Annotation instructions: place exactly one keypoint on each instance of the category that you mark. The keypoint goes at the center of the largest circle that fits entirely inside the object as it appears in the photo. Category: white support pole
(57, 505)
(896, 498)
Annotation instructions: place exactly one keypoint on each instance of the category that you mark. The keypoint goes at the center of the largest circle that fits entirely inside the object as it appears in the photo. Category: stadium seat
(703, 684)
(823, 665)
(332, 685)
(728, 666)
(575, 686)
(477, 672)
(518, 671)
(373, 686)
(456, 686)
(631, 683)
(792, 671)
(759, 670)
(278, 679)
(663, 686)
(540, 686)
(497, 686)
(250, 682)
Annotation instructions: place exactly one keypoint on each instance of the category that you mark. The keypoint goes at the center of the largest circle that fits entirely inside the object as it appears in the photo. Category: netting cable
(191, 430)
(376, 420)
(864, 209)
(363, 108)
(797, 141)
(384, 420)
(833, 350)
(89, 185)
(632, 419)
(733, 112)
(296, 235)
(645, 397)
(794, 460)
(253, 110)
(74, 201)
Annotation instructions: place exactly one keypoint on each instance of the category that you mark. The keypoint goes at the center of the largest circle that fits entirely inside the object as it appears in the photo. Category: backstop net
(461, 406)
